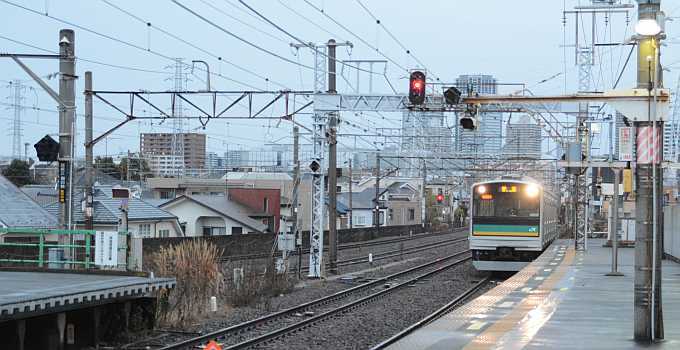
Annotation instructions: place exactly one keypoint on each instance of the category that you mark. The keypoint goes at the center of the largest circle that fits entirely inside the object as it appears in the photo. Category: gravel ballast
(416, 303)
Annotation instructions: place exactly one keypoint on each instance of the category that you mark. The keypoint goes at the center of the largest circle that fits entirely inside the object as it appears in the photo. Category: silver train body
(511, 223)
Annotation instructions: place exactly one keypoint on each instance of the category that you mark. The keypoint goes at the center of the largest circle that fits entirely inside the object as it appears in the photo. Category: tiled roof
(106, 211)
(17, 209)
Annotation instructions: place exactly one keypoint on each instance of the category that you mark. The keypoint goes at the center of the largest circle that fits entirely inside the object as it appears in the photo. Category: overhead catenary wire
(324, 13)
(247, 42)
(302, 41)
(255, 28)
(283, 3)
(186, 42)
(112, 38)
(394, 37)
(112, 65)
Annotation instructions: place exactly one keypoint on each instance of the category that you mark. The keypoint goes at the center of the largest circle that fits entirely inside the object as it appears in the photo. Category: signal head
(417, 84)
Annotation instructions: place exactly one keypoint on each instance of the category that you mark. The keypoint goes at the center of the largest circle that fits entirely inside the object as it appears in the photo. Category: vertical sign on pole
(626, 144)
(106, 248)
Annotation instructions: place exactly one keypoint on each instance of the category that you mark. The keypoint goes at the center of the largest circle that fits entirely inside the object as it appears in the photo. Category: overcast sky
(516, 41)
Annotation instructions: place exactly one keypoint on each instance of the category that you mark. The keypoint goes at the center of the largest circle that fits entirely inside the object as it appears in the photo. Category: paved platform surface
(563, 300)
(28, 293)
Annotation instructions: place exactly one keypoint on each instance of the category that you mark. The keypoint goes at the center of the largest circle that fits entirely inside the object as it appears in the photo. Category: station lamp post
(648, 319)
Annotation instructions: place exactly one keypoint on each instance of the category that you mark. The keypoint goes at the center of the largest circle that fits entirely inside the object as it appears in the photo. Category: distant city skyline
(144, 58)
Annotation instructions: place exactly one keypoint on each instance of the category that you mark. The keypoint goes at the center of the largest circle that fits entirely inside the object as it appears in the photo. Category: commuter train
(512, 220)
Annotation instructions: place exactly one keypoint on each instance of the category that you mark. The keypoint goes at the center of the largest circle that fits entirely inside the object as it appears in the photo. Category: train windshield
(506, 200)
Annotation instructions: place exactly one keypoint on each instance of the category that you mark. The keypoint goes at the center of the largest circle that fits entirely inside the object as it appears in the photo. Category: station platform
(563, 300)
(29, 294)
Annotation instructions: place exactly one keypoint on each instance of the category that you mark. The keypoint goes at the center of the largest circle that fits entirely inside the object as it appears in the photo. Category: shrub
(195, 266)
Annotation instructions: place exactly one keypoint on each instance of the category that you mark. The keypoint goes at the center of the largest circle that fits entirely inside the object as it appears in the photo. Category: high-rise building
(487, 139)
(671, 141)
(523, 139)
(425, 134)
(158, 149)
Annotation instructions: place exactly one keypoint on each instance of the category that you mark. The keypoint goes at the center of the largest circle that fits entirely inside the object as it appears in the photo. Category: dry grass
(195, 266)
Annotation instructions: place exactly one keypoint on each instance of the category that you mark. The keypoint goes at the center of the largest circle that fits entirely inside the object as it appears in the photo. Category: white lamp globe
(647, 27)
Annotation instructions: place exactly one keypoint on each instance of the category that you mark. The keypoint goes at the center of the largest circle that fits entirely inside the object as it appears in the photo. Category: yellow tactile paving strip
(490, 337)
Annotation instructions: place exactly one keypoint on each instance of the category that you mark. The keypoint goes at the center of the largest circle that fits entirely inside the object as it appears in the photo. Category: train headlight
(481, 189)
(532, 190)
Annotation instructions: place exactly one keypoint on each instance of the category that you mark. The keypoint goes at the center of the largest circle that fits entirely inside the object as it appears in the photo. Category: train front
(505, 226)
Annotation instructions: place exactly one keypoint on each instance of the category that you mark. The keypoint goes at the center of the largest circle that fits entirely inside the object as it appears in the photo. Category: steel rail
(342, 309)
(433, 316)
(220, 333)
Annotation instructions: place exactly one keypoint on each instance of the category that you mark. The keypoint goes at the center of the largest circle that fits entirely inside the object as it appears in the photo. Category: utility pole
(296, 187)
(332, 165)
(648, 319)
(318, 132)
(89, 154)
(67, 67)
(351, 212)
(376, 208)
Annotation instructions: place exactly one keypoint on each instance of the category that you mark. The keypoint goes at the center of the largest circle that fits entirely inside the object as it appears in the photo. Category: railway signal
(440, 198)
(47, 149)
(416, 91)
(452, 96)
(469, 120)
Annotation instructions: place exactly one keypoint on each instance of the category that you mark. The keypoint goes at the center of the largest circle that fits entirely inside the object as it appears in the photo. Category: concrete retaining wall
(262, 243)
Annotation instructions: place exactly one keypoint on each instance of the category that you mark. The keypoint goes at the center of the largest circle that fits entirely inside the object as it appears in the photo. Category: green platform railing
(87, 260)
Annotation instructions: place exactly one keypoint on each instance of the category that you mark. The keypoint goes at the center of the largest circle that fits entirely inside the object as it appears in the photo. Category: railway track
(344, 246)
(281, 323)
(395, 253)
(433, 316)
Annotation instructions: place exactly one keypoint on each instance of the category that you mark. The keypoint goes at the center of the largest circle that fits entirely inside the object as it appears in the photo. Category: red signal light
(440, 198)
(416, 93)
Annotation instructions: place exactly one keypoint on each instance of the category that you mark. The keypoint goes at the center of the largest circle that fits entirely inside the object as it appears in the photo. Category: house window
(411, 214)
(167, 195)
(145, 230)
(214, 231)
(360, 220)
(164, 233)
(236, 230)
(265, 205)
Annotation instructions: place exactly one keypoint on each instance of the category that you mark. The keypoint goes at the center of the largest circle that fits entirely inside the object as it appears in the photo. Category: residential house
(399, 204)
(144, 219)
(205, 215)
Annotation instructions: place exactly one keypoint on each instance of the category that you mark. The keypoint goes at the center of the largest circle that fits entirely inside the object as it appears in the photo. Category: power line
(308, 20)
(354, 35)
(109, 37)
(249, 43)
(166, 32)
(382, 25)
(243, 22)
(84, 59)
(301, 41)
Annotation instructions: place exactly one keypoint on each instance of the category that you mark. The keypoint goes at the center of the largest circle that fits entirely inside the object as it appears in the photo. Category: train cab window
(506, 200)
